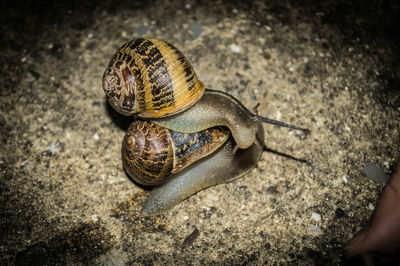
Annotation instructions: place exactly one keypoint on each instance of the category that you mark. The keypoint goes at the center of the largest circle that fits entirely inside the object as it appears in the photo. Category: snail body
(149, 77)
(217, 108)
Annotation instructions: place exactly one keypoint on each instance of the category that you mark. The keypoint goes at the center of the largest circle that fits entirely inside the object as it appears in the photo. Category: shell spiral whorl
(147, 152)
(151, 78)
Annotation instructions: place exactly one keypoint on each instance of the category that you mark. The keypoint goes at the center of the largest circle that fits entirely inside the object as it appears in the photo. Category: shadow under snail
(187, 138)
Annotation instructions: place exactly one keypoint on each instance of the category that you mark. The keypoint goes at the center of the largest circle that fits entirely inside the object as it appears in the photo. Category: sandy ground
(331, 67)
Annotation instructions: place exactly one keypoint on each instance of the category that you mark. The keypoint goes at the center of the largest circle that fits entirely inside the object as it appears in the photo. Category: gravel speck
(316, 216)
(315, 230)
(375, 173)
(234, 48)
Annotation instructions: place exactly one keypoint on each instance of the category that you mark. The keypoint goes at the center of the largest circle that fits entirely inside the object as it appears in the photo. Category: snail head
(119, 85)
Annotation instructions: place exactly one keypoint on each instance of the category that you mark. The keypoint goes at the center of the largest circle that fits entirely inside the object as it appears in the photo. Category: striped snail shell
(150, 78)
(151, 153)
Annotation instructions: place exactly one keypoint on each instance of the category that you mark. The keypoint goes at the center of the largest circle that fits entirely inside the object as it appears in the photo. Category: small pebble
(371, 206)
(67, 135)
(375, 173)
(373, 84)
(234, 48)
(185, 218)
(96, 136)
(94, 218)
(142, 30)
(90, 35)
(23, 59)
(315, 230)
(196, 29)
(345, 180)
(26, 162)
(54, 147)
(188, 6)
(124, 34)
(212, 197)
(50, 46)
(278, 115)
(316, 216)
(386, 164)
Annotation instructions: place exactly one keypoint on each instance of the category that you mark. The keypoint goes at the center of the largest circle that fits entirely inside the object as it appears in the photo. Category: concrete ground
(330, 66)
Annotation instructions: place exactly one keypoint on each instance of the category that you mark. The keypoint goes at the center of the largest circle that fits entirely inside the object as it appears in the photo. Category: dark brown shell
(150, 78)
(150, 153)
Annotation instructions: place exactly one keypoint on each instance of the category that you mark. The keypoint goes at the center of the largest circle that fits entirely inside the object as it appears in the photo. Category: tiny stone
(188, 6)
(345, 179)
(375, 173)
(96, 136)
(23, 59)
(235, 48)
(373, 84)
(26, 162)
(371, 206)
(212, 197)
(386, 164)
(94, 218)
(278, 115)
(90, 35)
(53, 147)
(196, 28)
(268, 28)
(124, 34)
(50, 46)
(142, 30)
(103, 176)
(316, 216)
(315, 230)
(185, 218)
(67, 135)
(347, 127)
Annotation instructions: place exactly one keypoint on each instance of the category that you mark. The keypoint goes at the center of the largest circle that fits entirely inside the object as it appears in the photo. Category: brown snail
(151, 154)
(184, 145)
(150, 78)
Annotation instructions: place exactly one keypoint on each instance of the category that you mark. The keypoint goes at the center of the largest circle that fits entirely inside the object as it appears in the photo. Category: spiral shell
(150, 78)
(151, 153)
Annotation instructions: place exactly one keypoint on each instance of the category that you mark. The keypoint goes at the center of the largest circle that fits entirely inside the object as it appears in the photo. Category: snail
(151, 153)
(189, 138)
(150, 78)
(188, 162)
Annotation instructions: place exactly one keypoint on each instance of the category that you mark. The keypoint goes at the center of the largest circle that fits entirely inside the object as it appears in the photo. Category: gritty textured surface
(331, 67)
